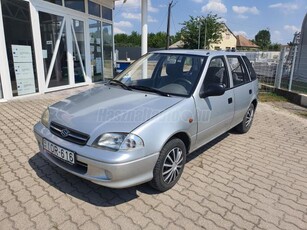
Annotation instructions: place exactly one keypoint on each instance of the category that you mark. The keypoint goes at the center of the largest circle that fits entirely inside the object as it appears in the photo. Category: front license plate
(59, 152)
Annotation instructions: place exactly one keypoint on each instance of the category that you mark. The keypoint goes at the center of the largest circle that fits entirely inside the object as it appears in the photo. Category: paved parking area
(252, 181)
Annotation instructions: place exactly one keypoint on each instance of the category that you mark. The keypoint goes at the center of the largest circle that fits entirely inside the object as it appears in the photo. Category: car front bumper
(99, 171)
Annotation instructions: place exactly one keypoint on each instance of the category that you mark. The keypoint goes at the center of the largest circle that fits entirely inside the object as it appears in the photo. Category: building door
(19, 47)
(96, 50)
(78, 47)
(63, 48)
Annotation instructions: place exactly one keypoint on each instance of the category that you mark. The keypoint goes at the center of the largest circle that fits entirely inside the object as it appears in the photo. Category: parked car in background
(140, 126)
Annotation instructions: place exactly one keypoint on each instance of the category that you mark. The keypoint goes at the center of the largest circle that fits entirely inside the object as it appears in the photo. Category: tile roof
(244, 42)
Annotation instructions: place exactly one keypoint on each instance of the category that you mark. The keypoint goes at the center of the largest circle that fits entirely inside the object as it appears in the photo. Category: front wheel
(169, 166)
(245, 125)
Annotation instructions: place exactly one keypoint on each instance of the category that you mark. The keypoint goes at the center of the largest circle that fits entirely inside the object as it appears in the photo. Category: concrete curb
(293, 97)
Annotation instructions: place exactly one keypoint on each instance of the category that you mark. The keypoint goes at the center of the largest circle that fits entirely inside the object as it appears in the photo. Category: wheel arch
(182, 136)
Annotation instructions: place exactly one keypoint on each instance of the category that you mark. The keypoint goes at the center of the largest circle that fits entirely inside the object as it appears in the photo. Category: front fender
(179, 118)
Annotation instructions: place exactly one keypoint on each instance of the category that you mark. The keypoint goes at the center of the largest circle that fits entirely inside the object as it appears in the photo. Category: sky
(282, 17)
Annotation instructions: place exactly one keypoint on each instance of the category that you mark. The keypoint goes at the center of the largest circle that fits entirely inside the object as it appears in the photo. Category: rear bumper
(114, 175)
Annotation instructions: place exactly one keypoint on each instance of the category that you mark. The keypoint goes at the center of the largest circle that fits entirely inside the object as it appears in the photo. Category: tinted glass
(107, 13)
(94, 8)
(250, 68)
(75, 5)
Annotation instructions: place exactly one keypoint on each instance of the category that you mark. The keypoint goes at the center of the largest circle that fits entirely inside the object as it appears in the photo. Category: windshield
(171, 74)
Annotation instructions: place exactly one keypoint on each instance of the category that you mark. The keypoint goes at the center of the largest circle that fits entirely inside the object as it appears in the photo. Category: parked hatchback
(140, 126)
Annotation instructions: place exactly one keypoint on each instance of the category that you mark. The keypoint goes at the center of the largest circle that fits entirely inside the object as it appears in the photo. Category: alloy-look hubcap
(249, 117)
(172, 165)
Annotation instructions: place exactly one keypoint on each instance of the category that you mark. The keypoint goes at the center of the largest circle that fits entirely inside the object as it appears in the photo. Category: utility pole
(199, 25)
(168, 24)
(205, 34)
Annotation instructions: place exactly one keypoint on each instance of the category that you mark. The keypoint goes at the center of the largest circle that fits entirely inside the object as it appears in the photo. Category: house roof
(244, 42)
(177, 45)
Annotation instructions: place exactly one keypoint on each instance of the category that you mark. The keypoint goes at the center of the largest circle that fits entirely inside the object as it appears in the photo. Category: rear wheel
(245, 125)
(169, 166)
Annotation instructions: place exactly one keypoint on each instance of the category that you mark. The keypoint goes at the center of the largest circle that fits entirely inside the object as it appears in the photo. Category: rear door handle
(230, 100)
(250, 91)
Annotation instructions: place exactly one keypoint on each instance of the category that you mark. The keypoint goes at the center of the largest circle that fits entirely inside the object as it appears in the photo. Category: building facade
(228, 41)
(48, 45)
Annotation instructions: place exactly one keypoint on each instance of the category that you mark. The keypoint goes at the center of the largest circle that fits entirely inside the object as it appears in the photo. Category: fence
(280, 69)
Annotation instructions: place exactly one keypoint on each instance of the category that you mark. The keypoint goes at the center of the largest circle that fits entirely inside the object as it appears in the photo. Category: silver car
(140, 126)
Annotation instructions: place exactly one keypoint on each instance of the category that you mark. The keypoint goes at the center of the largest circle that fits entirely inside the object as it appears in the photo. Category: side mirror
(213, 89)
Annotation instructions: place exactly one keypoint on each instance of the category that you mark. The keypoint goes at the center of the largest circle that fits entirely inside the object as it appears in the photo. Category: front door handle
(230, 100)
(250, 91)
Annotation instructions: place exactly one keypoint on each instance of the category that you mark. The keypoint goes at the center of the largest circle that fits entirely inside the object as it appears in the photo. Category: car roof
(198, 52)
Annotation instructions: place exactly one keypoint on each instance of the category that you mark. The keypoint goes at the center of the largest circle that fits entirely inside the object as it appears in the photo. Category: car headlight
(45, 118)
(119, 141)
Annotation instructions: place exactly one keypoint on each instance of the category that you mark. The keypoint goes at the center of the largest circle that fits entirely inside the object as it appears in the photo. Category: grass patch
(271, 97)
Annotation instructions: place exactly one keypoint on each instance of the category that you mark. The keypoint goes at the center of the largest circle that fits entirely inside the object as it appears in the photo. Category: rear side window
(250, 68)
(238, 70)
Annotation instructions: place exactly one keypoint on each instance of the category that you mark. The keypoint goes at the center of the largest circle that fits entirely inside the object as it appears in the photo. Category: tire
(169, 166)
(245, 125)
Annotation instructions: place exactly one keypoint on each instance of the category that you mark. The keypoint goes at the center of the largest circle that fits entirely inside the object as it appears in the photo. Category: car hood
(109, 109)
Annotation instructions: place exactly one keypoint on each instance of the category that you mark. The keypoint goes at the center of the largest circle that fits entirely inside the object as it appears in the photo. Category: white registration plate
(59, 152)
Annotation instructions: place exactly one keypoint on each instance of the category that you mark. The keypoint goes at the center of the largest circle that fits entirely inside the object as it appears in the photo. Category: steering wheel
(183, 80)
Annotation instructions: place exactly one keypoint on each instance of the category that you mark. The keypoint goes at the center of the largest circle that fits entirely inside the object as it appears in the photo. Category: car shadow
(92, 193)
(207, 146)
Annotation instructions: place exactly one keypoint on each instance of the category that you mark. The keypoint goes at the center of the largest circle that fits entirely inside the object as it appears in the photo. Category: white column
(4, 70)
(144, 26)
(38, 49)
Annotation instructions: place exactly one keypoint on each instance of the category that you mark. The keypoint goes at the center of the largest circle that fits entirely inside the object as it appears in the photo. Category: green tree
(263, 39)
(210, 28)
(157, 40)
(275, 47)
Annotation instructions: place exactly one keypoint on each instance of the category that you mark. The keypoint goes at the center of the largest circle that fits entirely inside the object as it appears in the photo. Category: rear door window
(250, 68)
(238, 70)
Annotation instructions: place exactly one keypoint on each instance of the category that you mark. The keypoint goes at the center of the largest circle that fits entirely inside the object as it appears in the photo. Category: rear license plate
(59, 152)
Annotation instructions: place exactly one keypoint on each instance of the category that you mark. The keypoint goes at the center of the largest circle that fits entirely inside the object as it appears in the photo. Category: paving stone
(253, 181)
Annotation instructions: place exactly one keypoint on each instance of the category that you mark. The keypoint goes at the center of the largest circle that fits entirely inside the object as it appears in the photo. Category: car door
(242, 87)
(215, 113)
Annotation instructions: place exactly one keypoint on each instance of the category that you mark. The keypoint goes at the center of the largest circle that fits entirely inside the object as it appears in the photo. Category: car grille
(69, 134)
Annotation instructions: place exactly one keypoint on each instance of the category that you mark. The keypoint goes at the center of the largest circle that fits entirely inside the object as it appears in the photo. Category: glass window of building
(58, 2)
(107, 50)
(54, 49)
(1, 94)
(93, 8)
(106, 13)
(75, 5)
(20, 47)
(78, 50)
(96, 50)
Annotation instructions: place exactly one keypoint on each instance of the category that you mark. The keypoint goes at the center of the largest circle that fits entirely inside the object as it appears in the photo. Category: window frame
(228, 86)
(246, 74)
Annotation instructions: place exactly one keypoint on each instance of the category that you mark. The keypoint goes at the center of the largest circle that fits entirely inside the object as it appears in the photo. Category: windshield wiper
(149, 89)
(116, 82)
